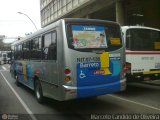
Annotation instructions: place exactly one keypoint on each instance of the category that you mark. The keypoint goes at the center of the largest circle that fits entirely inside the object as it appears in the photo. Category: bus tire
(38, 91)
(17, 82)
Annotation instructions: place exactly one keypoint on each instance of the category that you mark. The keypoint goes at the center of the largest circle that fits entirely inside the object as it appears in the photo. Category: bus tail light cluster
(67, 72)
(124, 70)
(128, 68)
(67, 78)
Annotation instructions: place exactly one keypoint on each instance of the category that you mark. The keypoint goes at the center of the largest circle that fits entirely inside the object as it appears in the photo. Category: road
(19, 102)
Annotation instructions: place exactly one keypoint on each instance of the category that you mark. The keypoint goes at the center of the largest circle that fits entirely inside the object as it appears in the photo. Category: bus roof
(139, 27)
(55, 24)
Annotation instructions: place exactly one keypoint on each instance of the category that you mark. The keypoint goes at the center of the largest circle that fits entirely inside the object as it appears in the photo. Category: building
(126, 12)
(1, 41)
(4, 46)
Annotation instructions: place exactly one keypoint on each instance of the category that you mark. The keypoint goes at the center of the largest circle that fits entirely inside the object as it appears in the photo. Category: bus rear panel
(142, 53)
(94, 56)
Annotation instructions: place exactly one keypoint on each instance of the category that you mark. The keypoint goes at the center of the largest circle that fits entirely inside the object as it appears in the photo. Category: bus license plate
(99, 72)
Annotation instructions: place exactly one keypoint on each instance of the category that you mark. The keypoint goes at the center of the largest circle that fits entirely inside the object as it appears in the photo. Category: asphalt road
(19, 102)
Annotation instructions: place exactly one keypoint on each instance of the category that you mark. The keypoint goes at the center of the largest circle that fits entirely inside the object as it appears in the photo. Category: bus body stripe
(152, 72)
(24, 71)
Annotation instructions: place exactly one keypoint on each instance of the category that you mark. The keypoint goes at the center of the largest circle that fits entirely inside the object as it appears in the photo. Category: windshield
(4, 55)
(89, 37)
(143, 39)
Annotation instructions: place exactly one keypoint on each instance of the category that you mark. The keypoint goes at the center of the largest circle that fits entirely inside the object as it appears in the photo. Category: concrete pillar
(119, 12)
(88, 16)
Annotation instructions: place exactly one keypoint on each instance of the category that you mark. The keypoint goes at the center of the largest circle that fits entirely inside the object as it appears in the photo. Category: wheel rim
(16, 77)
(38, 93)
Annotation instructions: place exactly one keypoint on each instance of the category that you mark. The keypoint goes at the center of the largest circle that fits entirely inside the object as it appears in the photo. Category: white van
(3, 57)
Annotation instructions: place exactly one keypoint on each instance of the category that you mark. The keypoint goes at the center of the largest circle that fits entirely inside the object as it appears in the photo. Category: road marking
(148, 106)
(19, 98)
(4, 68)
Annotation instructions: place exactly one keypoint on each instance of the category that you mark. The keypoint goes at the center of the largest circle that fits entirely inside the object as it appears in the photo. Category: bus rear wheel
(38, 91)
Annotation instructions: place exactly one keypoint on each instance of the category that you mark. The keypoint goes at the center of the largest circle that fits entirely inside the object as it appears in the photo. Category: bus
(71, 58)
(142, 53)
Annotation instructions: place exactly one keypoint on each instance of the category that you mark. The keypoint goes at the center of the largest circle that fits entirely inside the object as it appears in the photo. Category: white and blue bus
(70, 59)
(142, 53)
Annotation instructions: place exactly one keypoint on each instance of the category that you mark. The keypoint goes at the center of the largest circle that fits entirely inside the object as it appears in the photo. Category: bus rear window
(89, 37)
(143, 39)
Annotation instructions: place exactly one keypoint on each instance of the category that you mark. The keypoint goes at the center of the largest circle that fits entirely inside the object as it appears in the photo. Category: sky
(13, 24)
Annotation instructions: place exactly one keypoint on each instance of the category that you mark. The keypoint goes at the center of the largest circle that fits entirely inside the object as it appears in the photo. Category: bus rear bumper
(96, 90)
(143, 76)
(123, 84)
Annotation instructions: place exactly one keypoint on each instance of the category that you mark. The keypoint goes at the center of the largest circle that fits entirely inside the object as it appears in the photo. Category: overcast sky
(13, 24)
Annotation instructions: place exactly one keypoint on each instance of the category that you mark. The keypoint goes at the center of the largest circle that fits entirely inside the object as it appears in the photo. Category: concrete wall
(152, 13)
(125, 12)
(51, 10)
(142, 12)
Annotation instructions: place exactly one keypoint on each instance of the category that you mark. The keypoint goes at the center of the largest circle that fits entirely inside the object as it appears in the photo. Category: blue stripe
(87, 28)
(90, 84)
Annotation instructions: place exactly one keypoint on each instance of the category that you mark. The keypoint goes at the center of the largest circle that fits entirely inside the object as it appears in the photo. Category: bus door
(50, 58)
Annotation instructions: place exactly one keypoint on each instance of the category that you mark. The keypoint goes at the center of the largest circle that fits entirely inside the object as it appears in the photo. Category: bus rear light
(67, 71)
(67, 78)
(124, 70)
(128, 67)
(124, 67)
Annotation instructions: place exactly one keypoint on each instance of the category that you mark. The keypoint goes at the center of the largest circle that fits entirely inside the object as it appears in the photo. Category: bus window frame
(37, 48)
(44, 48)
(109, 48)
(132, 44)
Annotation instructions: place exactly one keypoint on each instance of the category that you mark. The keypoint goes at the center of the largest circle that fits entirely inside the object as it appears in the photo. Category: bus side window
(50, 47)
(46, 44)
(36, 48)
(26, 50)
(52, 50)
(18, 52)
(45, 53)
